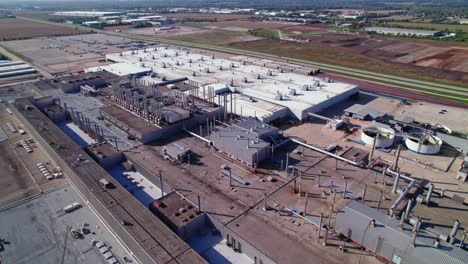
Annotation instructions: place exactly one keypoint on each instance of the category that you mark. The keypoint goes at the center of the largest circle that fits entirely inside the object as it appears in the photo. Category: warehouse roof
(354, 221)
(253, 80)
(402, 31)
(120, 69)
(87, 13)
(255, 126)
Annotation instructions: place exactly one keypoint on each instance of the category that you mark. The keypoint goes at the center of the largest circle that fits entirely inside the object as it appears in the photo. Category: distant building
(88, 13)
(405, 32)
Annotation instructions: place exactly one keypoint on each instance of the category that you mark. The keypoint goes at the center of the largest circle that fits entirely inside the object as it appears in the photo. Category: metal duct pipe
(462, 240)
(402, 220)
(199, 203)
(326, 153)
(408, 208)
(429, 194)
(403, 195)
(455, 228)
(405, 191)
(395, 166)
(197, 136)
(395, 184)
(320, 226)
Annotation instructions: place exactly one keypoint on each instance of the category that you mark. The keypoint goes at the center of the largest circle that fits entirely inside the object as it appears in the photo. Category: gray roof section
(364, 110)
(388, 240)
(258, 127)
(457, 142)
(404, 119)
(238, 142)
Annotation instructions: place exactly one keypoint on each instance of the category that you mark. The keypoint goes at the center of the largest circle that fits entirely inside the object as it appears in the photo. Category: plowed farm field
(14, 28)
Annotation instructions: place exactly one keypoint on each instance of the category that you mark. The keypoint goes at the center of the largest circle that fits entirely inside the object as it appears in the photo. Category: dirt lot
(19, 175)
(392, 50)
(252, 24)
(167, 31)
(72, 53)
(364, 52)
(215, 37)
(304, 28)
(13, 28)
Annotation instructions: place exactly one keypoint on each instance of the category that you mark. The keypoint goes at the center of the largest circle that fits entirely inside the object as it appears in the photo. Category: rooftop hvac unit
(316, 84)
(278, 97)
(292, 92)
(305, 87)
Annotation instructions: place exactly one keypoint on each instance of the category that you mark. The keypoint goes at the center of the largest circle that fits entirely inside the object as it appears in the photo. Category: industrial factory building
(404, 32)
(15, 68)
(88, 13)
(73, 84)
(148, 113)
(247, 141)
(394, 241)
(292, 88)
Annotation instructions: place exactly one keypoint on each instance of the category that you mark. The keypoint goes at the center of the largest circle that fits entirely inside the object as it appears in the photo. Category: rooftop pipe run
(198, 136)
(403, 193)
(405, 190)
(326, 153)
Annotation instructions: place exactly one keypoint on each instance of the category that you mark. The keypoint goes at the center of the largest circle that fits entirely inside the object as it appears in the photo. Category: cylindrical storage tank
(423, 144)
(384, 136)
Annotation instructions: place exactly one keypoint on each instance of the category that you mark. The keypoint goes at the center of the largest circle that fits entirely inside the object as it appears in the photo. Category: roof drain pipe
(327, 153)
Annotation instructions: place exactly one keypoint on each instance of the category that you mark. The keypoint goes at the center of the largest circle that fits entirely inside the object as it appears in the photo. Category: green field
(4, 57)
(17, 54)
(265, 33)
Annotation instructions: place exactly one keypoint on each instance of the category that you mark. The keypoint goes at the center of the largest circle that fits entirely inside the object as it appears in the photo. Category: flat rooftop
(102, 150)
(120, 69)
(130, 119)
(177, 209)
(240, 208)
(38, 231)
(405, 31)
(250, 79)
